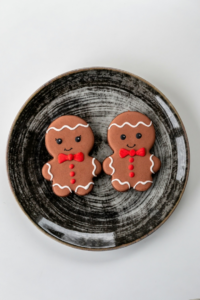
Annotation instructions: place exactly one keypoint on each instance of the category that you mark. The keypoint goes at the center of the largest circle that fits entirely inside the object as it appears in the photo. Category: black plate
(105, 218)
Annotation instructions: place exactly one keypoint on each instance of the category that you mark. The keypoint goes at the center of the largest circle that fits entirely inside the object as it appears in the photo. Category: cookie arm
(107, 165)
(46, 172)
(98, 167)
(157, 164)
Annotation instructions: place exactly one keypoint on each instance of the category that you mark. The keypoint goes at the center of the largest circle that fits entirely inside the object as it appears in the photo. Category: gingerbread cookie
(69, 140)
(131, 135)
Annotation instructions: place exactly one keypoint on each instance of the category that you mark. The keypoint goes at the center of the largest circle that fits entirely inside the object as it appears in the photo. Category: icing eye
(78, 139)
(138, 135)
(59, 141)
(123, 137)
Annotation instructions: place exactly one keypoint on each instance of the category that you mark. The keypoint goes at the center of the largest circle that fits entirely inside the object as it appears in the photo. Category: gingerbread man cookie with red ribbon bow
(131, 135)
(69, 139)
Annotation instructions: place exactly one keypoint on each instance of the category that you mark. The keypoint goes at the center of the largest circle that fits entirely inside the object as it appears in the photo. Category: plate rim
(93, 69)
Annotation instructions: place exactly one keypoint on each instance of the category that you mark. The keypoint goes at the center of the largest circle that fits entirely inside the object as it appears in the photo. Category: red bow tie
(123, 152)
(63, 157)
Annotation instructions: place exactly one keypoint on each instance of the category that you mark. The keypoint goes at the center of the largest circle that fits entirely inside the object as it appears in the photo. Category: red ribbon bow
(63, 157)
(140, 152)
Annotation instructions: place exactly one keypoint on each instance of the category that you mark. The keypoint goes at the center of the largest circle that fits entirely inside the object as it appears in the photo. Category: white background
(157, 40)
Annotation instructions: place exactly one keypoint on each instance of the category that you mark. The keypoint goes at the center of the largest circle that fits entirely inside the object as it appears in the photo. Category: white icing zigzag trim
(152, 164)
(49, 170)
(66, 126)
(127, 123)
(93, 172)
(122, 183)
(142, 182)
(110, 165)
(84, 187)
(63, 187)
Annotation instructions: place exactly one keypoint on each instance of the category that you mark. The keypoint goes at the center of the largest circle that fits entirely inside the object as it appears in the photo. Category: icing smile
(130, 146)
(68, 149)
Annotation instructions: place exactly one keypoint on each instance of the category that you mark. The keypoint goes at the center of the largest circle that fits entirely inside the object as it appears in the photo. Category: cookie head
(131, 130)
(69, 134)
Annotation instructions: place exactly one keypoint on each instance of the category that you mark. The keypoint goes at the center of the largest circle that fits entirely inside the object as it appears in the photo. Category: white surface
(157, 40)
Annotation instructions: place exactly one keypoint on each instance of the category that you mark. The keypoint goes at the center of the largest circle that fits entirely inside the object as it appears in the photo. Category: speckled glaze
(104, 219)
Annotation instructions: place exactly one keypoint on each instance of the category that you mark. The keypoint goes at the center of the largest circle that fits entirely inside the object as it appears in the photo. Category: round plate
(105, 218)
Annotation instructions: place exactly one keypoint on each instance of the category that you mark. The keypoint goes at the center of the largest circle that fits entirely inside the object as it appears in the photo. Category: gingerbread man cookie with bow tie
(131, 136)
(69, 139)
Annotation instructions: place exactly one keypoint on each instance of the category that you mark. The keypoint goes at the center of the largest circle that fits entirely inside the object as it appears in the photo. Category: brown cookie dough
(69, 139)
(131, 135)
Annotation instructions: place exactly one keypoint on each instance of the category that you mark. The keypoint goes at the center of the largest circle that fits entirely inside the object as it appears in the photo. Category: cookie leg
(81, 191)
(61, 192)
(120, 186)
(143, 186)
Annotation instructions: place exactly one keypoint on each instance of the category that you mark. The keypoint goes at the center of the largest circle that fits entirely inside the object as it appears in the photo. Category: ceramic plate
(105, 218)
